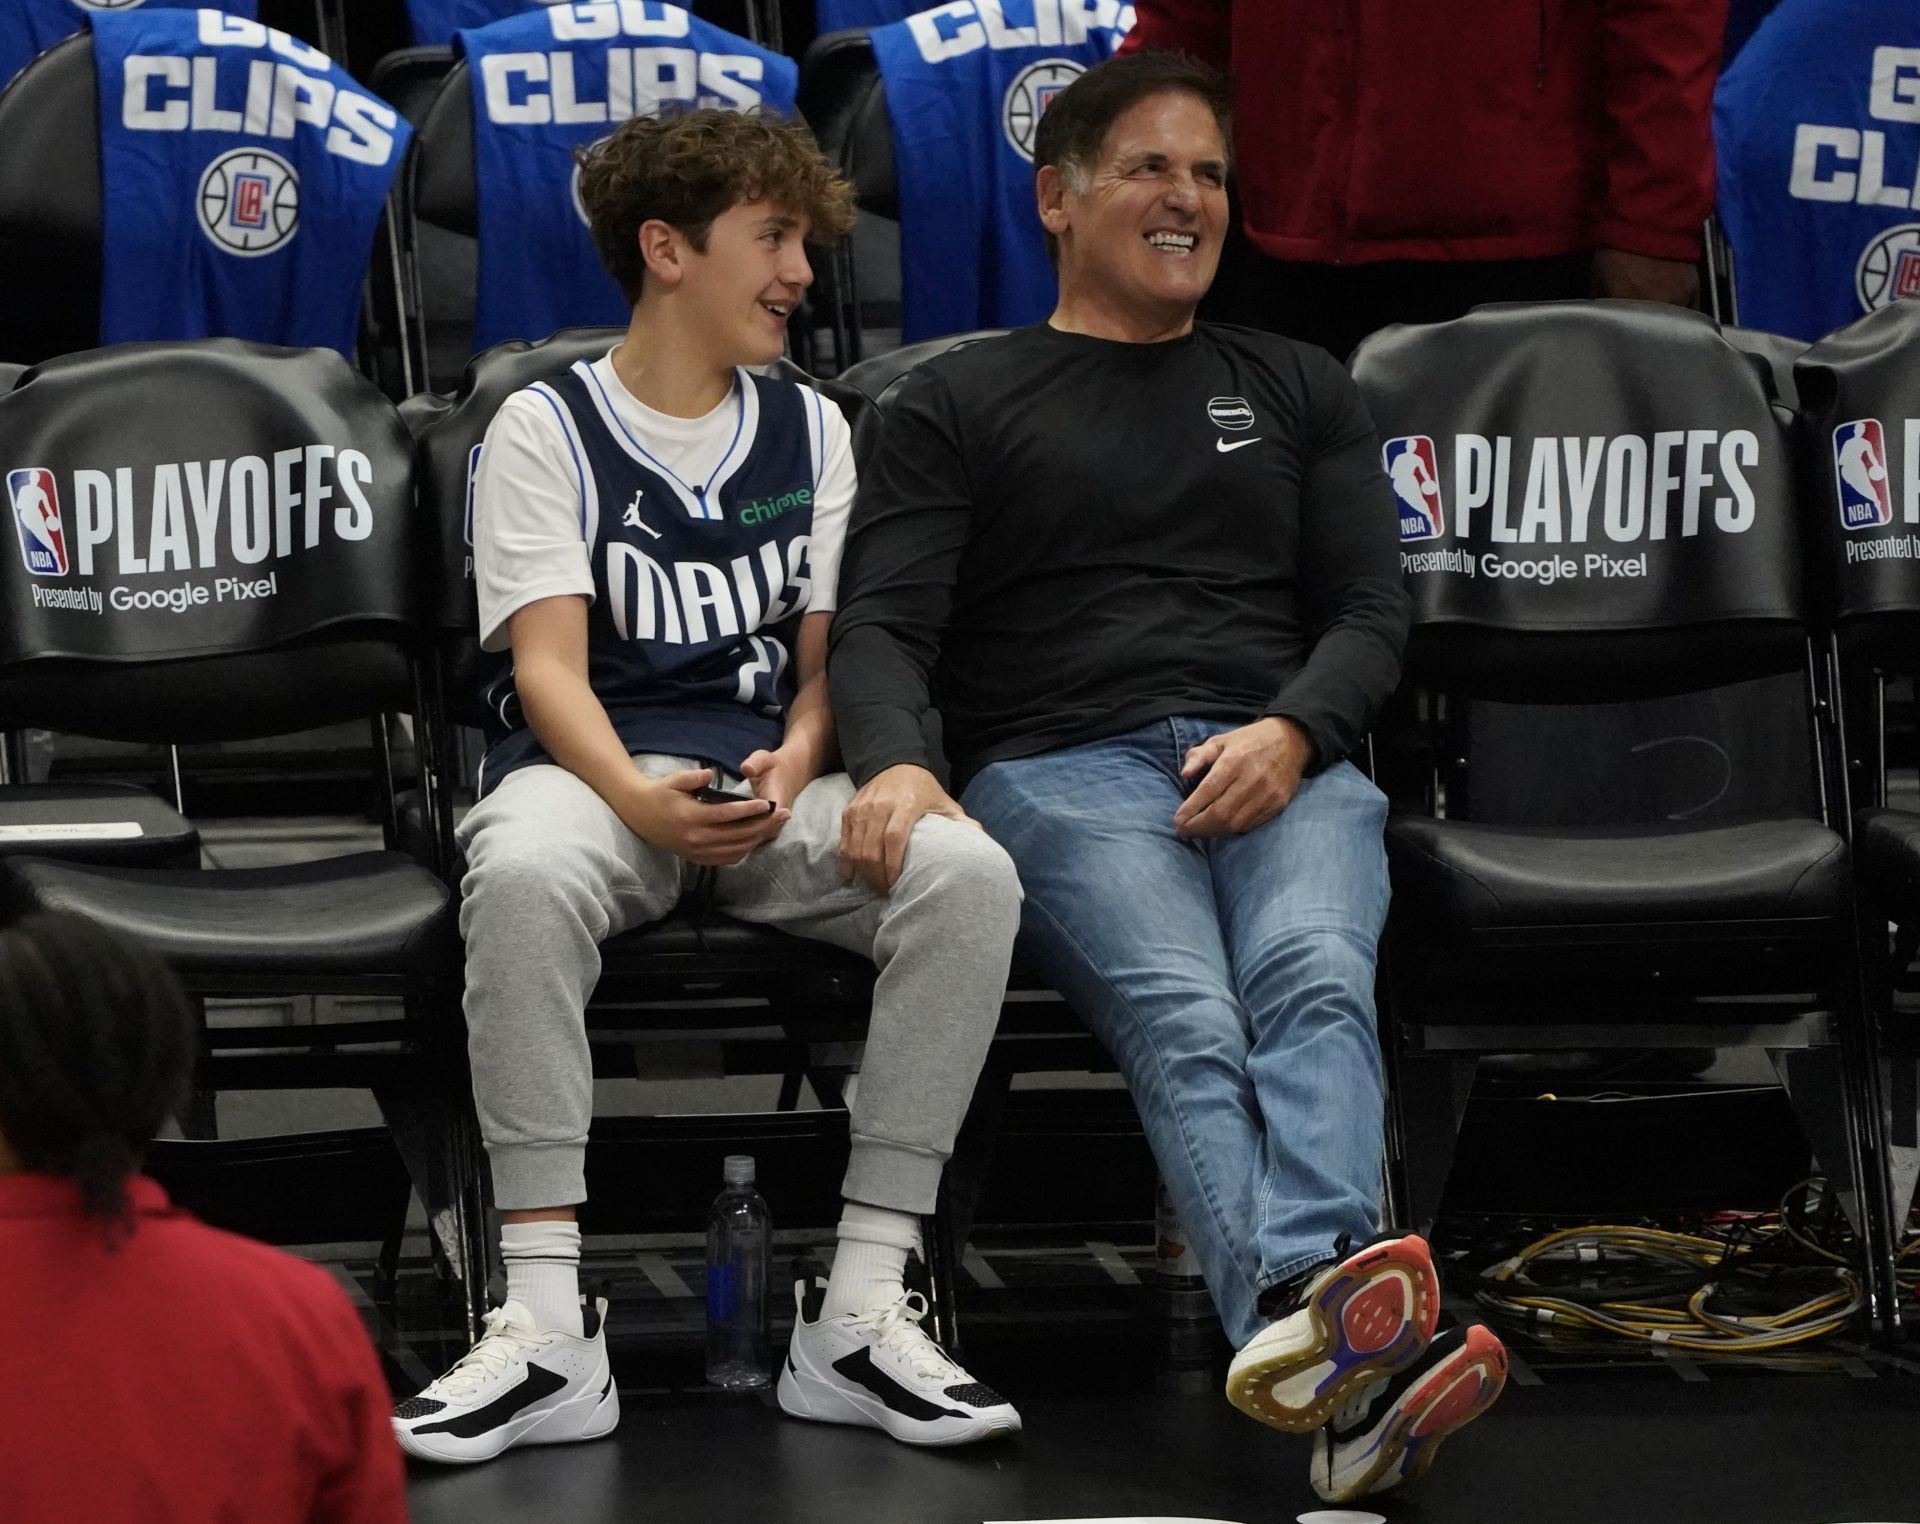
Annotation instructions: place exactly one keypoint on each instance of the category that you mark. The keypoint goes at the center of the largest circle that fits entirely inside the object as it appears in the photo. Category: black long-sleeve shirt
(1062, 538)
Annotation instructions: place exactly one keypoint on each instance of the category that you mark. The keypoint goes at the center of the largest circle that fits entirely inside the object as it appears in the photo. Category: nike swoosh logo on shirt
(1227, 449)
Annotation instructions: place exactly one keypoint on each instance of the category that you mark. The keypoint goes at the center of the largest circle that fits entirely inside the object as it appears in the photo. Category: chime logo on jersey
(36, 514)
(249, 201)
(1415, 476)
(1860, 475)
(1889, 268)
(1032, 91)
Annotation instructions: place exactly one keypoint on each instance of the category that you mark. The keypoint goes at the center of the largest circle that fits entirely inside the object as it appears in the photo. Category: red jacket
(1462, 129)
(190, 1377)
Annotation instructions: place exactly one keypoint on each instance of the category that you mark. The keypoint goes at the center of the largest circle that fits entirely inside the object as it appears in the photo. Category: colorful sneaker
(1344, 1324)
(1388, 1434)
(882, 1370)
(519, 1385)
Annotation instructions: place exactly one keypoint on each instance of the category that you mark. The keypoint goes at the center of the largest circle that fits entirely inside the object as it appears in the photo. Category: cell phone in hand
(708, 794)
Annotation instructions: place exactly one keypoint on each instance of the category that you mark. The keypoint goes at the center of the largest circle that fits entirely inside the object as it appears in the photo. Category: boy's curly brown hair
(688, 168)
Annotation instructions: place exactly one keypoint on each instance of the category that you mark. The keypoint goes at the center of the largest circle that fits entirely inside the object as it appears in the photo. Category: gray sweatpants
(552, 872)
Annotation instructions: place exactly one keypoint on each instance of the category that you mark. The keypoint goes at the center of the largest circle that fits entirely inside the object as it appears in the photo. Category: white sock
(543, 1272)
(870, 1259)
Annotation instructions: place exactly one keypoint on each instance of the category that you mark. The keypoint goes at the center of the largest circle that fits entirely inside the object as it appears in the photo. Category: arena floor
(1123, 1420)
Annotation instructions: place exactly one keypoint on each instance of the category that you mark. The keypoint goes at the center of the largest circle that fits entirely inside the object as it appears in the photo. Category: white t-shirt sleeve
(531, 523)
(832, 503)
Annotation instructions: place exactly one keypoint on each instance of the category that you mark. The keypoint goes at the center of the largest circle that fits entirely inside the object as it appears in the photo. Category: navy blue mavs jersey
(1817, 135)
(698, 589)
(243, 174)
(966, 83)
(29, 27)
(551, 80)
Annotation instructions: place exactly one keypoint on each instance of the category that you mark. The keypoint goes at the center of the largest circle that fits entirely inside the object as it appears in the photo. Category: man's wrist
(805, 754)
(1292, 732)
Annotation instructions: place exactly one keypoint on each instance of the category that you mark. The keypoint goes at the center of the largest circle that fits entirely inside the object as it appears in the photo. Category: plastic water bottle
(739, 1236)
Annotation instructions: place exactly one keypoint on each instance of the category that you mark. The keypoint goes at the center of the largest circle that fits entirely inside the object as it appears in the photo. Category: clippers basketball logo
(36, 514)
(1889, 269)
(1411, 469)
(1028, 97)
(1860, 475)
(249, 201)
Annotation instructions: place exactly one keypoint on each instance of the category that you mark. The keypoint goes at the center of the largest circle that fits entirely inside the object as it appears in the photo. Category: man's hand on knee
(878, 820)
(1251, 776)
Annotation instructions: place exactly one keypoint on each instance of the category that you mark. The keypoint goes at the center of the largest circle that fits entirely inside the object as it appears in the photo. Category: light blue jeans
(1231, 979)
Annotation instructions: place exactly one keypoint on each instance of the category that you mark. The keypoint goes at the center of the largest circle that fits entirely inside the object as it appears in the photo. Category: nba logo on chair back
(473, 475)
(36, 516)
(1860, 475)
(1413, 470)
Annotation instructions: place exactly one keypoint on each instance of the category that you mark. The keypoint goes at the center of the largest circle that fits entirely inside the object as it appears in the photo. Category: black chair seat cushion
(32, 816)
(706, 938)
(367, 916)
(1886, 851)
(1459, 876)
(695, 943)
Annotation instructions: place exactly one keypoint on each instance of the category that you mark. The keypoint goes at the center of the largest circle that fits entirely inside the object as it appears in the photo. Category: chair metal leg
(960, 1186)
(1426, 1105)
(942, 1261)
(1828, 1097)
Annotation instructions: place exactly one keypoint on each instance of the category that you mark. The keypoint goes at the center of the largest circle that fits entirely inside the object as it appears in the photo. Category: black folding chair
(880, 376)
(1599, 506)
(761, 998)
(1859, 452)
(50, 232)
(1778, 352)
(241, 558)
(50, 226)
(842, 100)
(433, 88)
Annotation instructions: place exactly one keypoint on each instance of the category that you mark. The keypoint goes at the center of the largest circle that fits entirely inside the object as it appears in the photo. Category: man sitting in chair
(1147, 570)
(656, 548)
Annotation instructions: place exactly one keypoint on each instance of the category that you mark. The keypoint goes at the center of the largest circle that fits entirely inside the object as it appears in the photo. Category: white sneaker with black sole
(520, 1385)
(882, 1370)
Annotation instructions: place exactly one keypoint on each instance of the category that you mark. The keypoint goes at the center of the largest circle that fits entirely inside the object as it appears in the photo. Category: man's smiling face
(1146, 229)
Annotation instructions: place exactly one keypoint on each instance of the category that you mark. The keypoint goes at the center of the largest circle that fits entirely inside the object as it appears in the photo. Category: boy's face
(747, 283)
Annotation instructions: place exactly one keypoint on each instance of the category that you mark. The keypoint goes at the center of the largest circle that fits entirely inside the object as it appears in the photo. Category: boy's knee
(962, 863)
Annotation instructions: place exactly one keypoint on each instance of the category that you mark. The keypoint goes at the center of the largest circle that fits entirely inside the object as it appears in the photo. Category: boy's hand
(778, 775)
(665, 813)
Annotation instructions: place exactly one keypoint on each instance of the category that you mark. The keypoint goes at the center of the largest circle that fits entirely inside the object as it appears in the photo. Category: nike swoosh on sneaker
(1239, 444)
(859, 1368)
(540, 1383)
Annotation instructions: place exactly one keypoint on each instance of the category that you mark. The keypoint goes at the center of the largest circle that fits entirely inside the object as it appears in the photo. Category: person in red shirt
(179, 1373)
(1407, 160)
